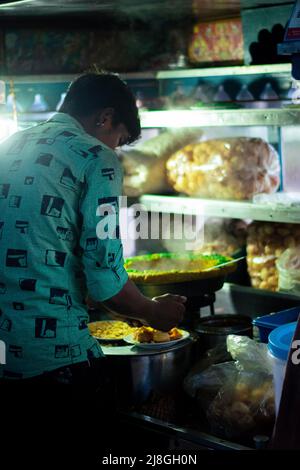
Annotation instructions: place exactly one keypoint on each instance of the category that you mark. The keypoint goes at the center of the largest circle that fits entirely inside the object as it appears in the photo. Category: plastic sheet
(233, 168)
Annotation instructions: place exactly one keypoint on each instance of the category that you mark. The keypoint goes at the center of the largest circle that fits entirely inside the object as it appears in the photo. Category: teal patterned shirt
(53, 177)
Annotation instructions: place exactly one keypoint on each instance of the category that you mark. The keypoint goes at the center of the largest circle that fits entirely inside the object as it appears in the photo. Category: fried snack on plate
(146, 334)
(174, 334)
(161, 336)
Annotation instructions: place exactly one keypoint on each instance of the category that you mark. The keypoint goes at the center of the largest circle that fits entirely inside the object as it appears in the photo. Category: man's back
(42, 285)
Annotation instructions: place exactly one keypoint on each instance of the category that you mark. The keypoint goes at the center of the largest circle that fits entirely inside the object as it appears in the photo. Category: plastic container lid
(280, 340)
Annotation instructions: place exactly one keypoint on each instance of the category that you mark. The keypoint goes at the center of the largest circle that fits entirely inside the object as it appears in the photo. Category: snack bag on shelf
(145, 164)
(266, 241)
(232, 168)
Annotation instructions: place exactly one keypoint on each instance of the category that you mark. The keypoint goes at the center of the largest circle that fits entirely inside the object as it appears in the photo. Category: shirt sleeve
(101, 246)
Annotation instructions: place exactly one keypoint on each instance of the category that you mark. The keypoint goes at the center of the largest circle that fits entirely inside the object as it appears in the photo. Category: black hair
(92, 92)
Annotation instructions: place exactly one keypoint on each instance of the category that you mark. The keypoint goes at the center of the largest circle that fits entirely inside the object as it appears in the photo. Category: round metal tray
(188, 288)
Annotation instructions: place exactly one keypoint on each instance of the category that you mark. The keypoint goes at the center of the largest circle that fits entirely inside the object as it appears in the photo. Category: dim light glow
(12, 3)
(7, 128)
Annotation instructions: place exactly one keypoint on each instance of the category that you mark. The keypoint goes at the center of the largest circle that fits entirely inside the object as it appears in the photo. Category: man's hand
(168, 312)
(162, 312)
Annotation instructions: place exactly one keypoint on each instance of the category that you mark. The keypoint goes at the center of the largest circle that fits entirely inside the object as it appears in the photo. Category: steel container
(214, 329)
(138, 373)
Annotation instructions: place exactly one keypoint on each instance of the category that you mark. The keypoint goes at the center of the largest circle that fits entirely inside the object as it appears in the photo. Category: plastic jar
(279, 345)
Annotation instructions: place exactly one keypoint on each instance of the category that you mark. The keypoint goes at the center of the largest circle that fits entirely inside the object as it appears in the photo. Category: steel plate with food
(110, 330)
(166, 268)
(148, 338)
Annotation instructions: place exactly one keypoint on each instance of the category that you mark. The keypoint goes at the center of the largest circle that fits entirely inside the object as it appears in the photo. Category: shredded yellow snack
(111, 329)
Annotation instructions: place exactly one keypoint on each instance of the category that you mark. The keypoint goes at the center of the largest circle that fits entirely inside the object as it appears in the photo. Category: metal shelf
(220, 208)
(204, 117)
(67, 78)
(269, 69)
(221, 117)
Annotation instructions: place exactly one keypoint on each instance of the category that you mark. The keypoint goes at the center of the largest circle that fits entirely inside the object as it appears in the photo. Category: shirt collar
(66, 119)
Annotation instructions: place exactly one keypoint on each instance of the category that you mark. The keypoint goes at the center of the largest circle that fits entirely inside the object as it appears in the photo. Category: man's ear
(106, 117)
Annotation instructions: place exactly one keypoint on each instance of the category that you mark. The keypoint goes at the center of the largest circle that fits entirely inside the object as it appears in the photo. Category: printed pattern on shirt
(45, 239)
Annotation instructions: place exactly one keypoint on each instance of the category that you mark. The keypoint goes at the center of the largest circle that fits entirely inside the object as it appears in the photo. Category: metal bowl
(214, 329)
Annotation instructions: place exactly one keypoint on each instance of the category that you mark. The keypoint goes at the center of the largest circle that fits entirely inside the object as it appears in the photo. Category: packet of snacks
(145, 165)
(232, 168)
(237, 396)
(266, 241)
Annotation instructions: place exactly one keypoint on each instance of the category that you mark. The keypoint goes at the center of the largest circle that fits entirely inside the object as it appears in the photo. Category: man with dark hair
(52, 183)
(83, 99)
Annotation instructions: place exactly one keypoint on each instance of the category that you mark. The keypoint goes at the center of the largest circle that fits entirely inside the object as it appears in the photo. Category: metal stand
(193, 308)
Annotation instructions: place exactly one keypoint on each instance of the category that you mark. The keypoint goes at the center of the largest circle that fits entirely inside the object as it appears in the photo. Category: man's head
(105, 106)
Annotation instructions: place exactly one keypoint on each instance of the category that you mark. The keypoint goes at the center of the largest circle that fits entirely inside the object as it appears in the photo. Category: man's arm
(106, 278)
(163, 312)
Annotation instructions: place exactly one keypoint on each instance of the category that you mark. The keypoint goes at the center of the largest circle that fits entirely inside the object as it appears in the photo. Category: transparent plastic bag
(233, 168)
(266, 241)
(145, 164)
(226, 237)
(207, 376)
(205, 384)
(243, 407)
(249, 355)
(288, 265)
(277, 200)
(237, 396)
(223, 236)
